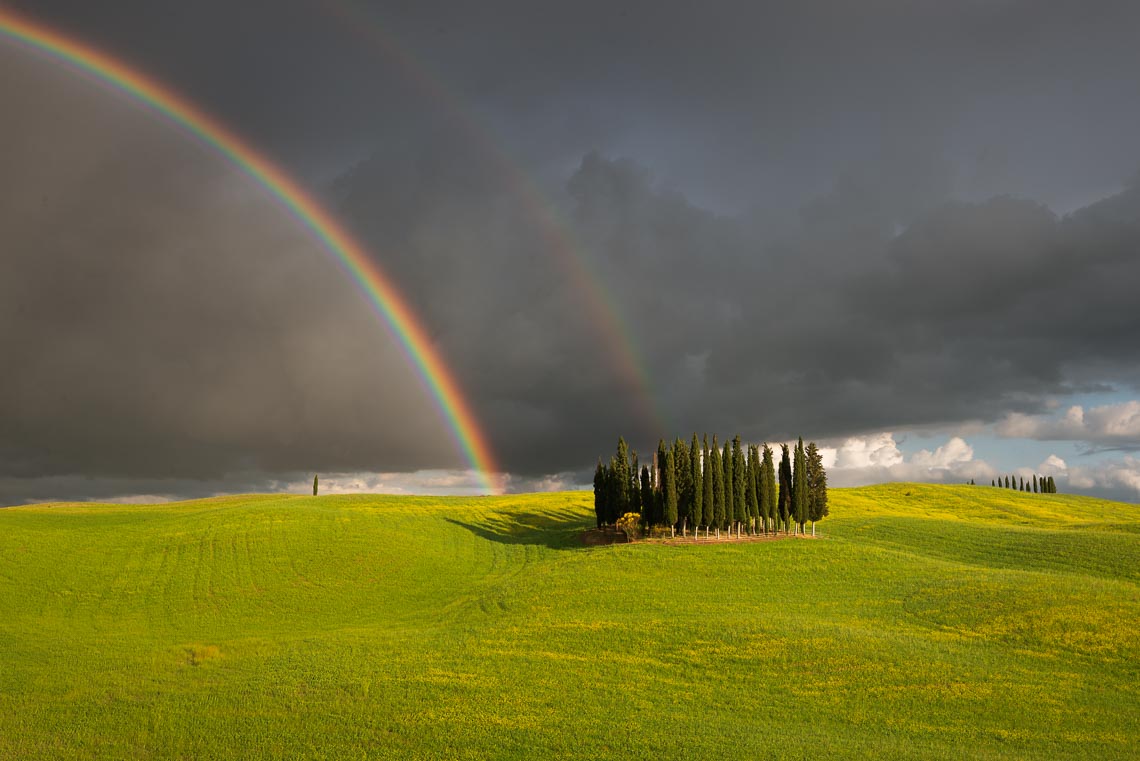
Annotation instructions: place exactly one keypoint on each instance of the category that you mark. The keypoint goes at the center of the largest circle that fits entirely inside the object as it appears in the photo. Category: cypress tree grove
(669, 491)
(740, 505)
(707, 488)
(817, 486)
(768, 489)
(799, 487)
(785, 499)
(697, 510)
(718, 487)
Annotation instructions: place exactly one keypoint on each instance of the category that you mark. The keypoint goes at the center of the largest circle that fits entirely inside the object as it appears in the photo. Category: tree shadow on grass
(553, 529)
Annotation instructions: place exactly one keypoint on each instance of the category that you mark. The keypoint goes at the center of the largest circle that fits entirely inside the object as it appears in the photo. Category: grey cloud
(813, 218)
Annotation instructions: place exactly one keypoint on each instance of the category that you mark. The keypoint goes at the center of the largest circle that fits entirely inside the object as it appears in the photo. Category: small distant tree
(314, 486)
(1035, 483)
(1007, 482)
(992, 482)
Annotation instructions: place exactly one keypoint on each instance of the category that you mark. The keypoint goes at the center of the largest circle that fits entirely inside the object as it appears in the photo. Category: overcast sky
(908, 230)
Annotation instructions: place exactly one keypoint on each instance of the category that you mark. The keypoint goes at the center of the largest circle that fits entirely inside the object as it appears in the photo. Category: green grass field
(926, 622)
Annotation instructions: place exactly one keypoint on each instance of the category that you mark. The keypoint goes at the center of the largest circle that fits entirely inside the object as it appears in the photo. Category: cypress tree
(751, 482)
(659, 490)
(1007, 482)
(768, 502)
(684, 483)
(718, 486)
(799, 487)
(697, 510)
(314, 486)
(740, 504)
(785, 497)
(669, 490)
(729, 496)
(622, 479)
(817, 486)
(707, 506)
(992, 482)
(646, 492)
(634, 485)
(1052, 486)
(600, 492)
(1021, 484)
(1035, 483)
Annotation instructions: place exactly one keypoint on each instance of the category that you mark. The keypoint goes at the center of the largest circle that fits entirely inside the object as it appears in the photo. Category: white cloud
(1109, 425)
(1118, 479)
(877, 458)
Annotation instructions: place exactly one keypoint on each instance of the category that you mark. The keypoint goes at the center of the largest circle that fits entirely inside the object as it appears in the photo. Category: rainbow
(601, 305)
(377, 286)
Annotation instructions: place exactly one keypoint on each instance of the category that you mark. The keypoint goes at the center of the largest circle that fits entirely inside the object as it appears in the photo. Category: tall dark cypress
(684, 485)
(799, 487)
(1035, 483)
(659, 487)
(622, 478)
(707, 500)
(730, 506)
(785, 499)
(697, 511)
(634, 484)
(768, 502)
(669, 491)
(740, 505)
(600, 493)
(817, 486)
(751, 481)
(646, 493)
(718, 485)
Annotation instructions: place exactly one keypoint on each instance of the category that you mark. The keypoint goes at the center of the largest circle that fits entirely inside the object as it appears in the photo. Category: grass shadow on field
(554, 530)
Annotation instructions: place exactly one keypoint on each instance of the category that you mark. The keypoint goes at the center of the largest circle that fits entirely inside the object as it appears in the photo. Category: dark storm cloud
(815, 218)
(160, 317)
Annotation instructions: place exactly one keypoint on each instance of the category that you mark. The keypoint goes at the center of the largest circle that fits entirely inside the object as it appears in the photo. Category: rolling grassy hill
(927, 622)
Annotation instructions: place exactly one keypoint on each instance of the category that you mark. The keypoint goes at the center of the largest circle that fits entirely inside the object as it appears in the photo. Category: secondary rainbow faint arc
(602, 307)
(319, 222)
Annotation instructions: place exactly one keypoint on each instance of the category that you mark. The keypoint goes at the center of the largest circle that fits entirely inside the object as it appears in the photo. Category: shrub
(630, 523)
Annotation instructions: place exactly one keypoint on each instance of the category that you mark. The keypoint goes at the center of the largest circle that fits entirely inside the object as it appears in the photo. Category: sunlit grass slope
(927, 622)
